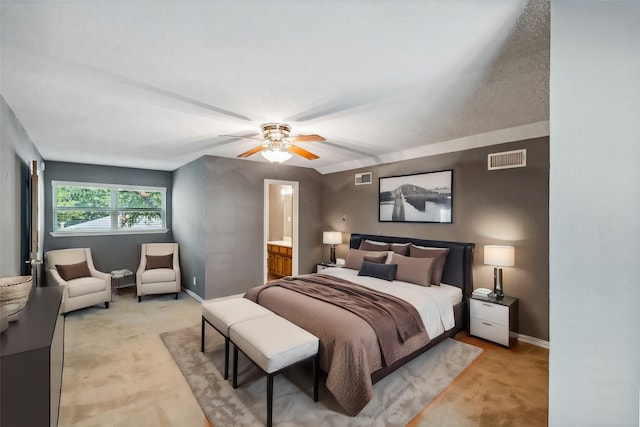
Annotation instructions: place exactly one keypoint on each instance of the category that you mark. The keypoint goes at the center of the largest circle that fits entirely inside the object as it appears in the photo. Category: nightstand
(324, 265)
(493, 319)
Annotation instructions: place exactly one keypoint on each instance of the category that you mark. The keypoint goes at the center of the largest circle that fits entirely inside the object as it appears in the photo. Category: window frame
(111, 210)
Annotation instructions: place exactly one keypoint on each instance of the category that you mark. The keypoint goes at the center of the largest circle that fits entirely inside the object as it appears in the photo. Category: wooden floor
(502, 387)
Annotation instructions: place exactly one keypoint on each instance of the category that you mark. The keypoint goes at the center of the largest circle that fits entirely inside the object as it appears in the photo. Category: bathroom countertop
(286, 243)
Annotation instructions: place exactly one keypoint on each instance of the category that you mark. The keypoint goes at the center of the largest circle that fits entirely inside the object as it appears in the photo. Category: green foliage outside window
(139, 200)
(85, 208)
(80, 197)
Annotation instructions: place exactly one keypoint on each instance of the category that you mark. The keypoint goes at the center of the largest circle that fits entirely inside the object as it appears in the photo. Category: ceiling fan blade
(122, 79)
(308, 138)
(253, 151)
(302, 152)
(252, 135)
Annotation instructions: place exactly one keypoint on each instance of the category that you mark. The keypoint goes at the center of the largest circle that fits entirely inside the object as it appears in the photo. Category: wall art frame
(421, 197)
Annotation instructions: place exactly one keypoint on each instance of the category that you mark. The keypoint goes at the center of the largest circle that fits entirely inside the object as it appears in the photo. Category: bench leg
(202, 337)
(316, 375)
(226, 358)
(235, 367)
(269, 399)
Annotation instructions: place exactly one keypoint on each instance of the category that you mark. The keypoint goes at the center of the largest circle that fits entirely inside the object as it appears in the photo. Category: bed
(350, 350)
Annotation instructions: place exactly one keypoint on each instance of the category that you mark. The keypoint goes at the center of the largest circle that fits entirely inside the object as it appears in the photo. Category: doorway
(280, 224)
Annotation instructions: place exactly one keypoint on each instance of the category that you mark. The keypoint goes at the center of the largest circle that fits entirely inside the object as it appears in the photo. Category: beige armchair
(159, 270)
(73, 269)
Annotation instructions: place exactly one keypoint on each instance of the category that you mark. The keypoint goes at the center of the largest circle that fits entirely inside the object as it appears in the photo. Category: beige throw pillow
(356, 256)
(376, 259)
(400, 248)
(370, 245)
(413, 270)
(438, 254)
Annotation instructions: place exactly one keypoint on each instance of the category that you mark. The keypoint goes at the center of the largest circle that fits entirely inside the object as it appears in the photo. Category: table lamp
(498, 256)
(332, 238)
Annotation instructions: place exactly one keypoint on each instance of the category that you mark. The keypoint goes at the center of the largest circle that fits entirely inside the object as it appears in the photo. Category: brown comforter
(349, 346)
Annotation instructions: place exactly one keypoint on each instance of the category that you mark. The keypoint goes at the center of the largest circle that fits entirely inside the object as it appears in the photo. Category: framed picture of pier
(423, 197)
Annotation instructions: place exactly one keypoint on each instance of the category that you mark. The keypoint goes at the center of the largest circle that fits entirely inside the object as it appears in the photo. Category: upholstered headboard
(458, 269)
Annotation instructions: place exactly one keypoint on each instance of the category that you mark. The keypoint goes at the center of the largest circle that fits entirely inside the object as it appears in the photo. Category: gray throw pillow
(380, 271)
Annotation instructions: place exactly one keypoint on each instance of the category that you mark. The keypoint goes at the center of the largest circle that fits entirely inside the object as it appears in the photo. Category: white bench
(274, 344)
(222, 313)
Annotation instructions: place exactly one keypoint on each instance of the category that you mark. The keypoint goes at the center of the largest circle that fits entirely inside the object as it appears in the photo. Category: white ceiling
(152, 84)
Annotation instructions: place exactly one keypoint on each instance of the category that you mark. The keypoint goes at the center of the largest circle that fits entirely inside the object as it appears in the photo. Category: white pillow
(373, 242)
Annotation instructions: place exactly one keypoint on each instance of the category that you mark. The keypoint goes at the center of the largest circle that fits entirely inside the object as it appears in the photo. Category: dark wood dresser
(32, 353)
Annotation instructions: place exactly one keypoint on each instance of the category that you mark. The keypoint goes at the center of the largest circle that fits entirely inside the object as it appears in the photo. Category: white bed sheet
(434, 303)
(454, 292)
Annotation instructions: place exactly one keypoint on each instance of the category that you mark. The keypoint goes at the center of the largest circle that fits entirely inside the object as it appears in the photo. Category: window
(84, 208)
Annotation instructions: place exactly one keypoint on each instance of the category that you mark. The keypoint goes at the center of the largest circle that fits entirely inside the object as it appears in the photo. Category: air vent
(507, 160)
(363, 178)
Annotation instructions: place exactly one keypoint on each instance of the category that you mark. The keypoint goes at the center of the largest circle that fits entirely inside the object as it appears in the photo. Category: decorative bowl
(14, 294)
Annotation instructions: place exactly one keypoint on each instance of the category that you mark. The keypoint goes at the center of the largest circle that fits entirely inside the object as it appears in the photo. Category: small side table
(117, 277)
(493, 319)
(324, 265)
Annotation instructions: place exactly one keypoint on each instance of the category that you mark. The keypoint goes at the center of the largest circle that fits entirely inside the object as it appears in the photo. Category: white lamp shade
(499, 256)
(331, 237)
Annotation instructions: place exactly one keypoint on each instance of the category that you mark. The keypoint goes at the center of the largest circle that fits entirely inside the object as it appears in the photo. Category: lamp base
(333, 254)
(497, 284)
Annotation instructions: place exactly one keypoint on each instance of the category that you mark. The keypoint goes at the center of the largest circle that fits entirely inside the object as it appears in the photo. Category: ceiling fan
(277, 144)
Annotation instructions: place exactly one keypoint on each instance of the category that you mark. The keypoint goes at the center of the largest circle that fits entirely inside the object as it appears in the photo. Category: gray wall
(507, 206)
(233, 192)
(235, 219)
(110, 252)
(16, 153)
(594, 368)
(189, 192)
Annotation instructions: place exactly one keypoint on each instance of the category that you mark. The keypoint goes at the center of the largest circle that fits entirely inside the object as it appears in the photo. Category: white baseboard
(200, 299)
(192, 294)
(533, 340)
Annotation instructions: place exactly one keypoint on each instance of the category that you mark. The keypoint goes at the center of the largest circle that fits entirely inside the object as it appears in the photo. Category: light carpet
(397, 398)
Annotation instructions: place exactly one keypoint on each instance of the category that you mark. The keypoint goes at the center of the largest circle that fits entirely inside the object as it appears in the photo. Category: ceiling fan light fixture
(277, 145)
(275, 155)
(275, 131)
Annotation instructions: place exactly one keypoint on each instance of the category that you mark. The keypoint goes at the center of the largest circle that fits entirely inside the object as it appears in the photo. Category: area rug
(398, 398)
